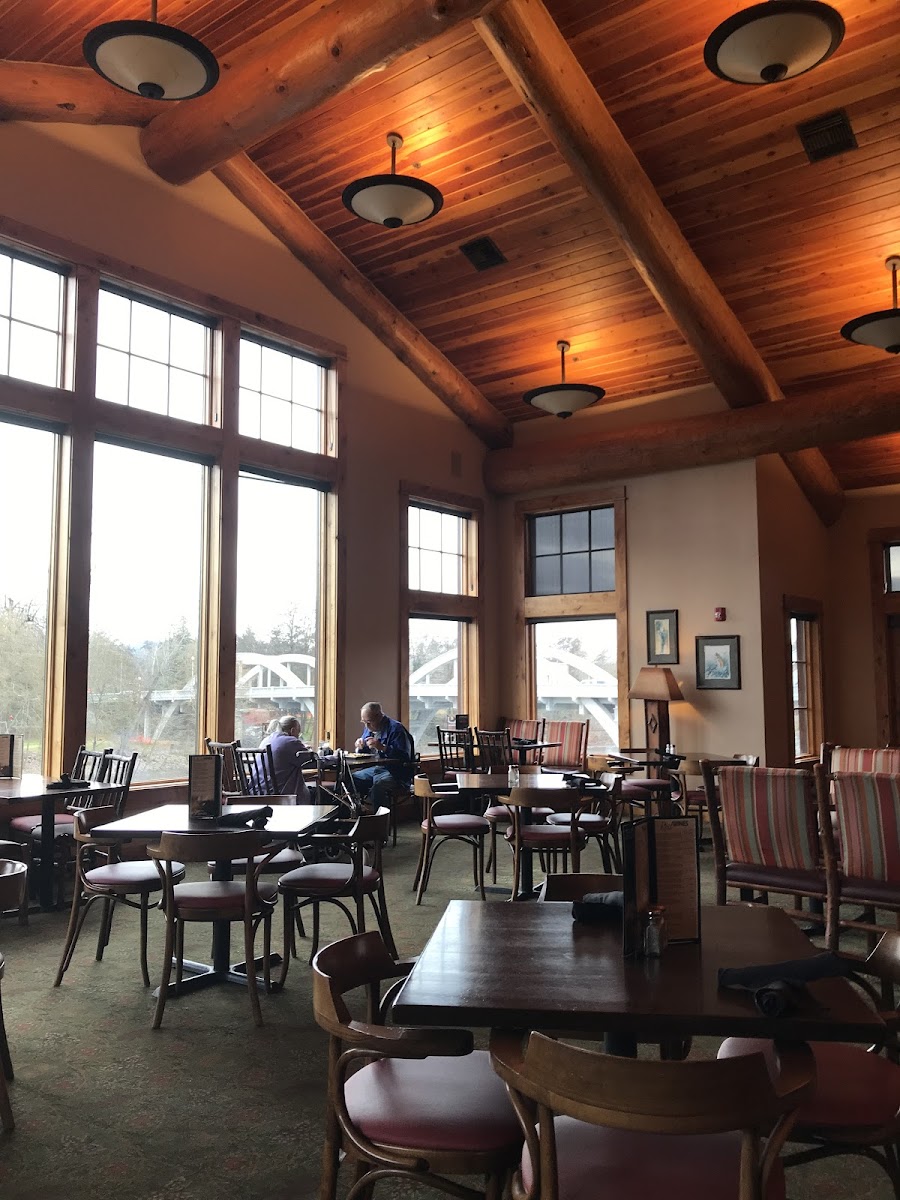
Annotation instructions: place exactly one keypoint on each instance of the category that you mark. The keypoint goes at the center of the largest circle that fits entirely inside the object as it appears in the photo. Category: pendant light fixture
(773, 41)
(562, 399)
(151, 60)
(880, 329)
(392, 200)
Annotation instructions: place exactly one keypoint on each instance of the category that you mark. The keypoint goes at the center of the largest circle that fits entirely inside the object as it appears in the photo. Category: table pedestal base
(202, 976)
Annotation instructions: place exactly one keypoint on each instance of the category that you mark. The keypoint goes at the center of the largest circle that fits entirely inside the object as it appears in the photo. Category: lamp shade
(773, 41)
(655, 683)
(151, 60)
(562, 399)
(881, 328)
(392, 200)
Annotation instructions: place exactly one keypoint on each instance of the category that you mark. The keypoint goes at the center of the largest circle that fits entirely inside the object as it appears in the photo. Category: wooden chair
(423, 1105)
(89, 764)
(854, 1107)
(855, 759)
(554, 842)
(246, 900)
(571, 753)
(256, 771)
(445, 823)
(353, 877)
(494, 746)
(576, 885)
(13, 888)
(640, 1126)
(601, 819)
(521, 730)
(456, 749)
(867, 870)
(231, 783)
(693, 799)
(118, 769)
(113, 882)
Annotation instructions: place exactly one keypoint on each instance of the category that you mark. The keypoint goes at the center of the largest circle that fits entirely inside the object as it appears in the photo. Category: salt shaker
(655, 934)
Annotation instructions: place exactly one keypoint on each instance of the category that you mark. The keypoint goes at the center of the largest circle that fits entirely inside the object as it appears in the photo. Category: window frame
(530, 610)
(467, 607)
(808, 611)
(885, 605)
(73, 410)
(272, 342)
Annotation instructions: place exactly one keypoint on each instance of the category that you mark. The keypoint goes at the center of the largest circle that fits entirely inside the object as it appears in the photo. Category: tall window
(278, 593)
(146, 584)
(892, 568)
(576, 676)
(571, 601)
(27, 502)
(31, 320)
(806, 682)
(152, 357)
(282, 396)
(442, 610)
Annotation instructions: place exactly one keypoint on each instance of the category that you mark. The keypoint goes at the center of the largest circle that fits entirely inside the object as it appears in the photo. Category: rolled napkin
(237, 820)
(780, 987)
(65, 784)
(599, 908)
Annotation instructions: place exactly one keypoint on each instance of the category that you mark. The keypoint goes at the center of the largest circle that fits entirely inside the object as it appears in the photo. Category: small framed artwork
(662, 636)
(719, 662)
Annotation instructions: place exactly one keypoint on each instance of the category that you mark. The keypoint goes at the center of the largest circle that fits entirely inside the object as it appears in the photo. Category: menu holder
(7, 750)
(205, 786)
(660, 866)
(461, 721)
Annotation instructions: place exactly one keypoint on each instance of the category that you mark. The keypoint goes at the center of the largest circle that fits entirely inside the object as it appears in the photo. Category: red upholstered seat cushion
(634, 791)
(62, 825)
(585, 821)
(137, 876)
(284, 860)
(552, 836)
(327, 878)
(853, 1088)
(621, 1164)
(447, 1104)
(497, 812)
(776, 879)
(459, 823)
(218, 896)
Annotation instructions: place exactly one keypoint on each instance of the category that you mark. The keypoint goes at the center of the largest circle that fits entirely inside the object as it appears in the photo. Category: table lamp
(656, 686)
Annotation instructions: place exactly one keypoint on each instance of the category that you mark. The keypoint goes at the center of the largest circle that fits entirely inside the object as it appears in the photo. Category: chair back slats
(769, 816)
(230, 780)
(256, 771)
(495, 752)
(852, 759)
(456, 748)
(89, 764)
(573, 739)
(119, 769)
(868, 813)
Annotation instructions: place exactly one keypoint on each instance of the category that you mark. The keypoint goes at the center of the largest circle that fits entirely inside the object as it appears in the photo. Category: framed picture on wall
(662, 636)
(719, 662)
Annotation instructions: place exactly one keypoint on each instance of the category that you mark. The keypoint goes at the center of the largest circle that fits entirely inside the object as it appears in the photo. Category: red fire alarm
(720, 614)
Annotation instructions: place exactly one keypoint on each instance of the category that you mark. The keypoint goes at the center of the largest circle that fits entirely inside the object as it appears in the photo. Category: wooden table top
(290, 819)
(530, 966)
(498, 781)
(34, 787)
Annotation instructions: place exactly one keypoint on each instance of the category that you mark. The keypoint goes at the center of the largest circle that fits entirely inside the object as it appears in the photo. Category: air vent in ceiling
(825, 136)
(483, 254)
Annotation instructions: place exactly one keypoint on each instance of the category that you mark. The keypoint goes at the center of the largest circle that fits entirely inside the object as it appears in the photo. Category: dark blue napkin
(779, 988)
(237, 820)
(599, 908)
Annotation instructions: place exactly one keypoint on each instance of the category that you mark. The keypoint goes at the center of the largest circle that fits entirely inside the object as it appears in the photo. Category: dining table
(286, 823)
(521, 967)
(53, 796)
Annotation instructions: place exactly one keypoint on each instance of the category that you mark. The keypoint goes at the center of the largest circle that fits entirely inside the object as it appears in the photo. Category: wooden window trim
(800, 607)
(467, 608)
(585, 604)
(884, 604)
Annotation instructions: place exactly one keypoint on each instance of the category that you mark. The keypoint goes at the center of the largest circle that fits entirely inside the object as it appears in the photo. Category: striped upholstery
(573, 739)
(868, 812)
(528, 731)
(851, 759)
(770, 817)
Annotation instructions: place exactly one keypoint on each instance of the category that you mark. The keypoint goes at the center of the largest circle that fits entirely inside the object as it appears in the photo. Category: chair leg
(427, 857)
(315, 933)
(267, 951)
(166, 972)
(179, 954)
(252, 986)
(7, 1120)
(381, 916)
(105, 923)
(6, 1067)
(421, 863)
(480, 857)
(492, 858)
(145, 907)
(76, 920)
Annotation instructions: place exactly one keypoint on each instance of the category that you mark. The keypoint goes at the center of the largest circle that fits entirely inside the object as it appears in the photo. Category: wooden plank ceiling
(796, 248)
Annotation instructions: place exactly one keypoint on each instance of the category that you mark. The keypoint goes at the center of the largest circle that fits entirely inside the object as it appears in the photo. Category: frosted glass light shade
(773, 41)
(151, 60)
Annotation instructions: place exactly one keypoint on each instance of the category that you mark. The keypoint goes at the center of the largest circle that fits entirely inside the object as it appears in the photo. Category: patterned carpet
(208, 1107)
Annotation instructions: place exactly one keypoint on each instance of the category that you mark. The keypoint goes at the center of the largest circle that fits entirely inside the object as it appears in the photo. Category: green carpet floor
(209, 1107)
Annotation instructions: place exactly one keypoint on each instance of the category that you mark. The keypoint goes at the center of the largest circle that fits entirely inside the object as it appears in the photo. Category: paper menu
(205, 786)
(7, 746)
(660, 866)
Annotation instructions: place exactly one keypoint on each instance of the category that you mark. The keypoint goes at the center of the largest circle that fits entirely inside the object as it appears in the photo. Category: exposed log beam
(43, 92)
(535, 56)
(839, 414)
(289, 70)
(317, 252)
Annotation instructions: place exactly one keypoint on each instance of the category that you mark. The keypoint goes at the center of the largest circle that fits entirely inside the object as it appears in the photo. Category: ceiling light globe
(774, 41)
(151, 60)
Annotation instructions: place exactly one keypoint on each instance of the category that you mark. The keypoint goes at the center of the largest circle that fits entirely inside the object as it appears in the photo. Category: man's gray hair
(372, 706)
(288, 723)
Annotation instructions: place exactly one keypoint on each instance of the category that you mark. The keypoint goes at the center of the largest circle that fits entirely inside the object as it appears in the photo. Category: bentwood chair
(556, 843)
(13, 886)
(352, 877)
(601, 820)
(246, 900)
(597, 1124)
(445, 823)
(423, 1105)
(111, 881)
(854, 1107)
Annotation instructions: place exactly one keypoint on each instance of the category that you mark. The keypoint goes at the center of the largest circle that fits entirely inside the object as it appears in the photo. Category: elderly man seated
(387, 738)
(289, 755)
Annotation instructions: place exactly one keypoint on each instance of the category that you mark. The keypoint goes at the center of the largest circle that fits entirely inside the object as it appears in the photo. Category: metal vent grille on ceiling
(483, 253)
(825, 136)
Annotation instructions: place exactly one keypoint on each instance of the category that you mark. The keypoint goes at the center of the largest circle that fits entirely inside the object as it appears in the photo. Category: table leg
(45, 876)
